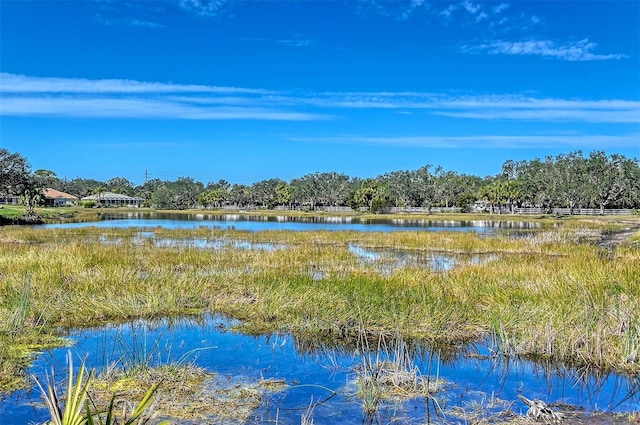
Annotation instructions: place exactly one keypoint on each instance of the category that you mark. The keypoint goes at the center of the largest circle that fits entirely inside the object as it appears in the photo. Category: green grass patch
(11, 211)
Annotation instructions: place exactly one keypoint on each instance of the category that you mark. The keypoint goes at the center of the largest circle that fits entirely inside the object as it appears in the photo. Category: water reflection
(201, 243)
(215, 244)
(391, 260)
(259, 223)
(471, 375)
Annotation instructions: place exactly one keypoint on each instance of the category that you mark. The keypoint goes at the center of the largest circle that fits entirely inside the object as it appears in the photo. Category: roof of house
(110, 196)
(56, 194)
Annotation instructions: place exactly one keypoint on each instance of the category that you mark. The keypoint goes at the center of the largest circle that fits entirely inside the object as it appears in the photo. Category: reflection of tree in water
(556, 382)
(355, 343)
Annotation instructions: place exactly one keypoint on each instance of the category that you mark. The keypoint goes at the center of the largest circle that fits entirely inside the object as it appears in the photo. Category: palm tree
(98, 191)
(31, 197)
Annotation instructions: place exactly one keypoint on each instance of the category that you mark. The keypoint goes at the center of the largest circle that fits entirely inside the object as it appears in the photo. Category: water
(313, 371)
(387, 260)
(200, 243)
(391, 260)
(259, 223)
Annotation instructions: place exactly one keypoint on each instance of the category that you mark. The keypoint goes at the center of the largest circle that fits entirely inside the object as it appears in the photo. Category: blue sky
(250, 90)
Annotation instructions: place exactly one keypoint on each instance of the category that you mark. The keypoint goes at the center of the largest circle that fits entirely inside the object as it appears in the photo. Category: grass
(388, 374)
(11, 211)
(555, 295)
(188, 393)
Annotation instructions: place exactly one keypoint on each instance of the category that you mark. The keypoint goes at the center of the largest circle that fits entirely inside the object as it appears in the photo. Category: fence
(575, 211)
(394, 210)
(9, 200)
(423, 210)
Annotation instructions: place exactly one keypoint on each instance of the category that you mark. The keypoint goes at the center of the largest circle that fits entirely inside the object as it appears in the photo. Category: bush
(89, 204)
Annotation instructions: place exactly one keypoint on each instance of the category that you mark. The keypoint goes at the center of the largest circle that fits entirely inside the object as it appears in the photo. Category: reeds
(387, 376)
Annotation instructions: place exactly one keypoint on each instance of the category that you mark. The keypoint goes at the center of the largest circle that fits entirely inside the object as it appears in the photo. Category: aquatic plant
(79, 409)
(72, 411)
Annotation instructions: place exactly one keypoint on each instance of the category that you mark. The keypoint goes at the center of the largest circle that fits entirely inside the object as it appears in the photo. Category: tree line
(564, 181)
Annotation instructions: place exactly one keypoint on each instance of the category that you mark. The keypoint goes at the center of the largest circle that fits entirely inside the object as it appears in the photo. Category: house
(55, 198)
(9, 200)
(481, 206)
(110, 200)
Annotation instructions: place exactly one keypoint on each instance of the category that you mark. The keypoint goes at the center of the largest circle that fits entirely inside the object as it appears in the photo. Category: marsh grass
(187, 392)
(388, 374)
(179, 387)
(483, 408)
(554, 295)
(307, 416)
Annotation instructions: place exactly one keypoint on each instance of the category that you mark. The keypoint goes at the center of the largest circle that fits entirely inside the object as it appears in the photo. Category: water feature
(390, 260)
(474, 381)
(258, 223)
(201, 243)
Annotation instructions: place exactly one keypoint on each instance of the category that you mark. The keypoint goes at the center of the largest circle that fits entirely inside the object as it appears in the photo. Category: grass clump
(388, 374)
(79, 409)
(187, 392)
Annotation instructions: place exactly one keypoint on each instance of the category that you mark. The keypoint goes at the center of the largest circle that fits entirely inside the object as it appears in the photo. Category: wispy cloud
(205, 8)
(581, 141)
(500, 8)
(412, 7)
(447, 12)
(291, 42)
(295, 42)
(142, 108)
(498, 18)
(16, 83)
(491, 107)
(581, 50)
(127, 22)
(72, 97)
(48, 96)
(397, 9)
(596, 116)
(133, 14)
(469, 9)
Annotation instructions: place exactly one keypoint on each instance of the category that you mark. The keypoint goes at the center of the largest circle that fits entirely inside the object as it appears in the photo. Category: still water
(259, 223)
(473, 380)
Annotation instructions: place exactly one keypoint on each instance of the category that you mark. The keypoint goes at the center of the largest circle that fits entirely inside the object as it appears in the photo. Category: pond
(259, 223)
(473, 383)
